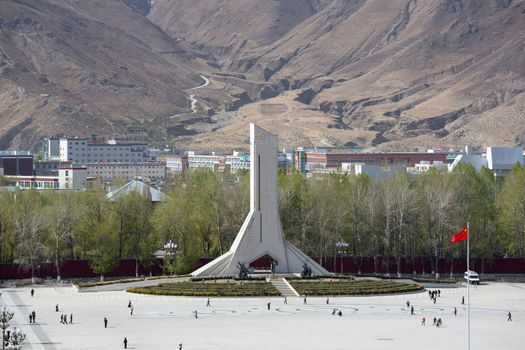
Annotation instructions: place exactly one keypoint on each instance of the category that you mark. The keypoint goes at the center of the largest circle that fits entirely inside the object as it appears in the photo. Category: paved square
(245, 323)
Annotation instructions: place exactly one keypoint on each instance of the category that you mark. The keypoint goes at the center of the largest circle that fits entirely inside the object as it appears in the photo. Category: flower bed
(349, 287)
(216, 288)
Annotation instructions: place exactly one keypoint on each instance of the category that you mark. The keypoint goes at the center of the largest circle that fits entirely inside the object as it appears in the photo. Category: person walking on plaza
(412, 310)
(129, 304)
(462, 300)
(455, 311)
(32, 292)
(180, 346)
(304, 300)
(408, 304)
(340, 313)
(34, 316)
(423, 321)
(30, 318)
(208, 304)
(125, 343)
(71, 319)
(196, 314)
(285, 300)
(434, 323)
(131, 310)
(327, 301)
(439, 293)
(509, 317)
(268, 305)
(56, 308)
(105, 322)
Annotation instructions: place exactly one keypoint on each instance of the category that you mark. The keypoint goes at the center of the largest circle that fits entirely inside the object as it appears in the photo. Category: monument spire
(261, 233)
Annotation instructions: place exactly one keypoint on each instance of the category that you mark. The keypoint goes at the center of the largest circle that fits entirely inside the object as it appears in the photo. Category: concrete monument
(261, 234)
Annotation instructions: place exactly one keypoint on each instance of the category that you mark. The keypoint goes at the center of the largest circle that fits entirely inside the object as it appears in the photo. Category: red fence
(350, 264)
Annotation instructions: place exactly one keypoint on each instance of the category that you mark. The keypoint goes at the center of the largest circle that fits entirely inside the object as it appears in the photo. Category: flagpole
(468, 286)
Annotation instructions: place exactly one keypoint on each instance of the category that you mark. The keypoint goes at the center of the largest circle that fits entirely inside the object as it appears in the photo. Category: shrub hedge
(350, 287)
(217, 288)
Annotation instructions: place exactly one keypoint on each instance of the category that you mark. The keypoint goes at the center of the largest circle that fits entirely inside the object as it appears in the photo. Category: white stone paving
(245, 323)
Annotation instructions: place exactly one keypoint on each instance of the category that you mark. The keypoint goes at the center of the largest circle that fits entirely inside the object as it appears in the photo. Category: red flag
(460, 236)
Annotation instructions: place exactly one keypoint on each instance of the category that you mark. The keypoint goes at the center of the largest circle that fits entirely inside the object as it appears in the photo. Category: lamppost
(342, 247)
(17, 338)
(5, 316)
(171, 249)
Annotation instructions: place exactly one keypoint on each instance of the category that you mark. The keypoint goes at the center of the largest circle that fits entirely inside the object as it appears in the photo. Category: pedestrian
(434, 323)
(129, 304)
(340, 313)
(435, 299)
(423, 321)
(509, 317)
(65, 319)
(439, 293)
(412, 310)
(455, 311)
(62, 318)
(439, 322)
(463, 300)
(125, 343)
(34, 316)
(32, 292)
(56, 308)
(304, 300)
(285, 300)
(30, 318)
(334, 311)
(268, 305)
(196, 314)
(131, 311)
(105, 322)
(408, 304)
(208, 302)
(71, 319)
(430, 294)
(180, 346)
(327, 301)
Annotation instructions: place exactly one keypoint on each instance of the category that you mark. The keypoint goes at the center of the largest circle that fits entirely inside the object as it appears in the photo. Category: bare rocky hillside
(373, 73)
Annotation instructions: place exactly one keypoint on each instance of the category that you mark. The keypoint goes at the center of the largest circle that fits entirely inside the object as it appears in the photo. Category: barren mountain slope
(75, 66)
(401, 69)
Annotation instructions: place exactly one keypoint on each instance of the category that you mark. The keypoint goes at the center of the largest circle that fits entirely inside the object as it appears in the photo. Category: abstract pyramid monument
(261, 234)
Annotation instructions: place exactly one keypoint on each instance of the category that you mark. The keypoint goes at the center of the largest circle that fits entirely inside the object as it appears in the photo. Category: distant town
(76, 163)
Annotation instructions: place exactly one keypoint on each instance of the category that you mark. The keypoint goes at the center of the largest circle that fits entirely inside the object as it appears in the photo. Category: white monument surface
(261, 234)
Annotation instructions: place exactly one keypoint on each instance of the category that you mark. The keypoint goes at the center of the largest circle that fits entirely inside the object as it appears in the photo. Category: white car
(472, 277)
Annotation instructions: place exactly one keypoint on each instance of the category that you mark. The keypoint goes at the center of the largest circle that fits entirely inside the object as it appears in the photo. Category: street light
(342, 247)
(17, 338)
(170, 246)
(171, 249)
(5, 316)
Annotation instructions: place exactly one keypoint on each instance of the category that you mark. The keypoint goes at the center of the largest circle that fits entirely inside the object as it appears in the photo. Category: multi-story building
(212, 161)
(373, 170)
(151, 171)
(176, 163)
(94, 150)
(49, 167)
(334, 158)
(72, 178)
(16, 163)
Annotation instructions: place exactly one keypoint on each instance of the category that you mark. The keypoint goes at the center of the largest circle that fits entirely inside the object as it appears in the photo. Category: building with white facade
(72, 178)
(374, 171)
(498, 159)
(93, 150)
(150, 171)
(425, 166)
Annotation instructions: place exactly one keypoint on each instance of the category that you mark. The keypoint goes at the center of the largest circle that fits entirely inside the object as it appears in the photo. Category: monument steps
(284, 288)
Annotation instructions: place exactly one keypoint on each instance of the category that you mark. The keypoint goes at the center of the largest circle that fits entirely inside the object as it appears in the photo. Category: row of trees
(397, 216)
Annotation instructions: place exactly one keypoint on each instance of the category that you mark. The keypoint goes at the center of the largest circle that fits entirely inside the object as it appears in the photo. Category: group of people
(434, 294)
(32, 317)
(63, 319)
(336, 312)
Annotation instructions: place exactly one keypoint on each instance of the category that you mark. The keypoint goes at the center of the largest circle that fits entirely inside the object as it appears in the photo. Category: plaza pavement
(245, 323)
